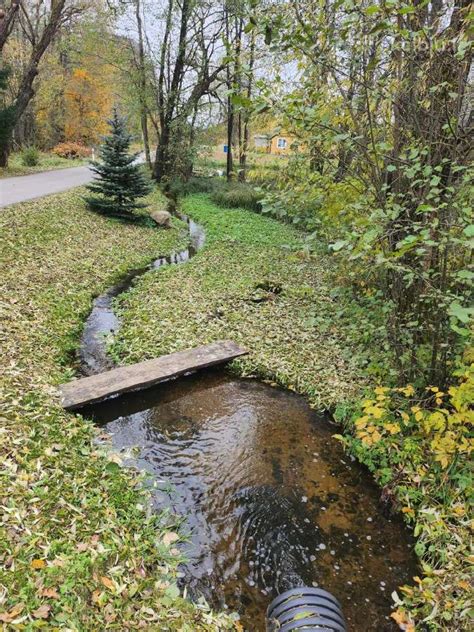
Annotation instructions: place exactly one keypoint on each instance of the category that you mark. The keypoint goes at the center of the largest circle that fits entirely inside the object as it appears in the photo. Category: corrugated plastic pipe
(305, 609)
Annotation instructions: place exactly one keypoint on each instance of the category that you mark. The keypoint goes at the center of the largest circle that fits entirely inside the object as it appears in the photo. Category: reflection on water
(270, 499)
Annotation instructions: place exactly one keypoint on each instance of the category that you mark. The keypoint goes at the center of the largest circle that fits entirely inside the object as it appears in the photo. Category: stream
(102, 323)
(269, 499)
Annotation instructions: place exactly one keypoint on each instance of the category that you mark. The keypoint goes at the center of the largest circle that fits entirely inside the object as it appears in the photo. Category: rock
(162, 218)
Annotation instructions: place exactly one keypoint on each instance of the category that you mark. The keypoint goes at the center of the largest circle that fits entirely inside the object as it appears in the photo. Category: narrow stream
(269, 498)
(102, 322)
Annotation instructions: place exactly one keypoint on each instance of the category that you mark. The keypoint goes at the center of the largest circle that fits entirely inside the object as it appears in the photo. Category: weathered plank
(96, 388)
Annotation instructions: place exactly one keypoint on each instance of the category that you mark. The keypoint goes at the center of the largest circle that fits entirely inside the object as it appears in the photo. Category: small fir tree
(120, 179)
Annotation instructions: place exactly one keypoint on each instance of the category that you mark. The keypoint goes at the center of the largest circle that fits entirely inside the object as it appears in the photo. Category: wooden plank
(96, 388)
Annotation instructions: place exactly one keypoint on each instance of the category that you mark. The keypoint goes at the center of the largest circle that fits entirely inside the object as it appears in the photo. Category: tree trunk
(230, 107)
(7, 21)
(246, 126)
(4, 153)
(161, 169)
(25, 91)
(142, 81)
(230, 138)
(162, 160)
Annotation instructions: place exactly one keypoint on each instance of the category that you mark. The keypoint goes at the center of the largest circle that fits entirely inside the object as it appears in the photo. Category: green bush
(179, 187)
(237, 195)
(30, 157)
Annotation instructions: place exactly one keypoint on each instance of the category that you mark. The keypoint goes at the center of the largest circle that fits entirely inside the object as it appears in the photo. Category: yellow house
(276, 143)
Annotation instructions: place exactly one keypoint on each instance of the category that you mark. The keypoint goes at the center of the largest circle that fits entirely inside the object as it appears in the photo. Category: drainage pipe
(305, 609)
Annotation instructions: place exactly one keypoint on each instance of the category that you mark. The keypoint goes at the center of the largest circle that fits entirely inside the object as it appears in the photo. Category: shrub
(30, 157)
(71, 150)
(237, 195)
(179, 187)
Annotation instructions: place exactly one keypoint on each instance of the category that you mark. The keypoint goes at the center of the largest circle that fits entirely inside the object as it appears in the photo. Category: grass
(47, 162)
(79, 548)
(226, 292)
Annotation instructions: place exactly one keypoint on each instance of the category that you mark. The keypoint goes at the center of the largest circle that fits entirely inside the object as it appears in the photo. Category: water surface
(270, 500)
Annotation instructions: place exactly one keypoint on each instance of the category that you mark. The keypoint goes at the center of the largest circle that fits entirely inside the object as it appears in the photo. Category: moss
(79, 550)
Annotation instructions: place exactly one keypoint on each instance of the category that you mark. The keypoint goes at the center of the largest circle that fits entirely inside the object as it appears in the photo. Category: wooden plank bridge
(89, 390)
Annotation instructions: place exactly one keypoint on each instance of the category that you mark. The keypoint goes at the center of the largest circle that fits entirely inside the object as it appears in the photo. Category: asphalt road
(22, 188)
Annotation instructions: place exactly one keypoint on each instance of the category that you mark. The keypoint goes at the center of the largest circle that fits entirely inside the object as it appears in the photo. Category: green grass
(47, 162)
(79, 549)
(222, 293)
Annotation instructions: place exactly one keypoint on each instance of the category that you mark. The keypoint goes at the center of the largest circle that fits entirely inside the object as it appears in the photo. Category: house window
(281, 144)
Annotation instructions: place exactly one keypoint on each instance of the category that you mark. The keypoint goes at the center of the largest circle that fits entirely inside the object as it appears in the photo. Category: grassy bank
(79, 549)
(253, 283)
(46, 162)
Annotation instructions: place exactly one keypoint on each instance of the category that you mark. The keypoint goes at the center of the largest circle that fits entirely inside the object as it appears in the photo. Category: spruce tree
(120, 180)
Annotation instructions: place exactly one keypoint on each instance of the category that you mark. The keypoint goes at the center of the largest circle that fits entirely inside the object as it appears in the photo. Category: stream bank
(144, 424)
(253, 283)
(77, 540)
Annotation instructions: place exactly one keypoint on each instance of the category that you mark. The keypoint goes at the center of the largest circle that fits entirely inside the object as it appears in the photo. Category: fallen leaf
(108, 583)
(42, 612)
(7, 617)
(170, 537)
(52, 593)
(37, 564)
(403, 621)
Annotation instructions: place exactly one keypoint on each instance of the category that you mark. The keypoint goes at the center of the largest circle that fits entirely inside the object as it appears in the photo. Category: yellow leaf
(36, 564)
(376, 436)
(403, 621)
(108, 583)
(375, 411)
(361, 422)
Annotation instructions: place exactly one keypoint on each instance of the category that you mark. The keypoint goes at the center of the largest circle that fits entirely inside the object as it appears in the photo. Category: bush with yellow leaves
(418, 446)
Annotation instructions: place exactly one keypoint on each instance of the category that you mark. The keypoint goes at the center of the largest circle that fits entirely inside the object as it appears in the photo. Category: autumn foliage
(71, 150)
